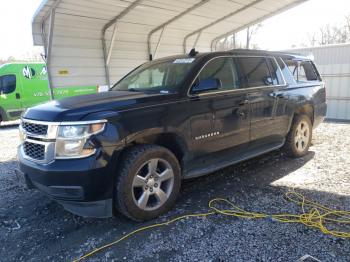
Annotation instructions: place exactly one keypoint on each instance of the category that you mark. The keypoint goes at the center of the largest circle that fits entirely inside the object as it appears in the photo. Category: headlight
(73, 140)
(22, 135)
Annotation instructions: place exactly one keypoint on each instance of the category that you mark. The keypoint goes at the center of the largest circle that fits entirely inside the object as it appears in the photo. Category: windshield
(158, 76)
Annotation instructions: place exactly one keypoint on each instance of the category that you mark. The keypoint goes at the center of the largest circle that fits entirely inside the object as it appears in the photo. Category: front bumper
(83, 186)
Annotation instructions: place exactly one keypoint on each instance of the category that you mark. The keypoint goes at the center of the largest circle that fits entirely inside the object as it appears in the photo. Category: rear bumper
(83, 186)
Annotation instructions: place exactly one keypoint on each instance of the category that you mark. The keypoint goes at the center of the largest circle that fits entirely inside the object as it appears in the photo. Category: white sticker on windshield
(184, 60)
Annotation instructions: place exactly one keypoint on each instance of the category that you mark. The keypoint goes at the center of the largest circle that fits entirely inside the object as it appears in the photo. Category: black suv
(169, 119)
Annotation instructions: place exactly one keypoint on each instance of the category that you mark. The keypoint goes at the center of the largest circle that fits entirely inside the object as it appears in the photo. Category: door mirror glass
(207, 85)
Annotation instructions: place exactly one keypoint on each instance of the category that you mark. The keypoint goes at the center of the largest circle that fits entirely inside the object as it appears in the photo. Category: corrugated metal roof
(77, 45)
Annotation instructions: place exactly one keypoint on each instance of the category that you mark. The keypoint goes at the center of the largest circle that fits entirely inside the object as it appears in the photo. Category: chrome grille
(38, 140)
(34, 151)
(36, 129)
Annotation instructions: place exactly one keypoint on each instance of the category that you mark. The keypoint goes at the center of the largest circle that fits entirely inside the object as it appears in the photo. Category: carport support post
(158, 43)
(49, 49)
(233, 41)
(197, 39)
(107, 55)
(112, 44)
(162, 26)
(104, 49)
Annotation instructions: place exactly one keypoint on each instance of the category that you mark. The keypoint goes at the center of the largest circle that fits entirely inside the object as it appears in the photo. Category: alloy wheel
(153, 184)
(302, 136)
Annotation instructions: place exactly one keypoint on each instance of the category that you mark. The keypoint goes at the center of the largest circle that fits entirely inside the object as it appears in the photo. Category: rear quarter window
(302, 71)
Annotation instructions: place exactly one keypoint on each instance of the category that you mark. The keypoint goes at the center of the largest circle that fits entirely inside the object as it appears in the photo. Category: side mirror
(207, 85)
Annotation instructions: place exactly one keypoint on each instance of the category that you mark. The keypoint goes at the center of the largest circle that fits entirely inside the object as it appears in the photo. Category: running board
(228, 159)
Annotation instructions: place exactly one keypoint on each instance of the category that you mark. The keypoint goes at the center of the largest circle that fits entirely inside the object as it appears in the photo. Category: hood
(76, 108)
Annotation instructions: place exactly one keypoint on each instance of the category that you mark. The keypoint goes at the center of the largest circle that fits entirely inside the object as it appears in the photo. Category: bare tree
(251, 31)
(10, 59)
(232, 41)
(347, 25)
(331, 34)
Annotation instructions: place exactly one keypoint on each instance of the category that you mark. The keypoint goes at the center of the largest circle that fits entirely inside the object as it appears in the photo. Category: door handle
(246, 101)
(278, 95)
(18, 96)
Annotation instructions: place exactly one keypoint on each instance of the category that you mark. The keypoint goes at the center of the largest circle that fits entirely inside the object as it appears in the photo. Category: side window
(303, 71)
(275, 72)
(256, 71)
(7, 84)
(308, 71)
(286, 72)
(221, 70)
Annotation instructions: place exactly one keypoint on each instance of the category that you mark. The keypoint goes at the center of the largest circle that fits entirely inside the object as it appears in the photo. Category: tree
(251, 31)
(10, 59)
(240, 39)
(33, 55)
(331, 34)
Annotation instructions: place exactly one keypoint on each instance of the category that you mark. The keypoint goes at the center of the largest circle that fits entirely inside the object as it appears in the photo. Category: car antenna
(193, 52)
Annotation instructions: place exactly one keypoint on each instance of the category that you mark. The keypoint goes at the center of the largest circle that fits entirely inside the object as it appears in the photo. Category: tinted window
(275, 72)
(7, 84)
(308, 71)
(302, 71)
(256, 71)
(222, 69)
(286, 72)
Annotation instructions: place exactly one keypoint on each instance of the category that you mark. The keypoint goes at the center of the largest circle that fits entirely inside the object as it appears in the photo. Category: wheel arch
(306, 109)
(170, 140)
(3, 116)
(303, 109)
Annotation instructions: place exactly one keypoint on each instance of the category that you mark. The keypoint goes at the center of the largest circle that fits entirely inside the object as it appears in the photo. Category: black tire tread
(288, 146)
(127, 161)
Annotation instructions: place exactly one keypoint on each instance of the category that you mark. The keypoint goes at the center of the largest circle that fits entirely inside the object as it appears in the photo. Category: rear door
(263, 82)
(10, 96)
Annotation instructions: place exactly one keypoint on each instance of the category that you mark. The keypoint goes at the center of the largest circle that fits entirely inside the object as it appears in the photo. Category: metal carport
(95, 42)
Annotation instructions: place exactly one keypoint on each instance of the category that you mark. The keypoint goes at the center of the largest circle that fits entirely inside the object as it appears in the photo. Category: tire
(299, 137)
(148, 182)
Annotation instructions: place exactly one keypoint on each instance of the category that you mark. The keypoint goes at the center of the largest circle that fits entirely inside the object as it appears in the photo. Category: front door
(225, 122)
(10, 97)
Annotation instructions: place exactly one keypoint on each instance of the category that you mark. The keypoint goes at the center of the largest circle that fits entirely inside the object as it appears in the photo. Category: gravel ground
(33, 228)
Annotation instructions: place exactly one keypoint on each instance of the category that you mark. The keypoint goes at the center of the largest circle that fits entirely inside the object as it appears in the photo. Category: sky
(16, 17)
(15, 27)
(293, 26)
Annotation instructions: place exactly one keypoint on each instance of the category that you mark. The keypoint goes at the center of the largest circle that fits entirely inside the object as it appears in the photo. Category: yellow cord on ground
(313, 215)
